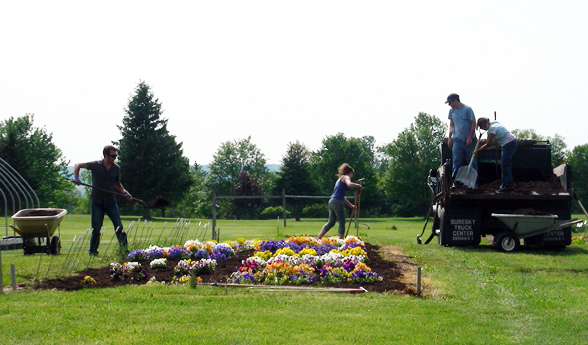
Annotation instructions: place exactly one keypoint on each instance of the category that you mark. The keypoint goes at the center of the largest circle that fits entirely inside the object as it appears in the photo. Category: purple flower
(178, 253)
(272, 246)
(137, 255)
(200, 254)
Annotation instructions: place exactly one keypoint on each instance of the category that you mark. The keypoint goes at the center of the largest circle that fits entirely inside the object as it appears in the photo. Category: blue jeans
(462, 155)
(336, 213)
(508, 151)
(111, 209)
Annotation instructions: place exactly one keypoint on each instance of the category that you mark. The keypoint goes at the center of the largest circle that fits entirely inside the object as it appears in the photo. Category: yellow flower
(264, 255)
(285, 251)
(309, 251)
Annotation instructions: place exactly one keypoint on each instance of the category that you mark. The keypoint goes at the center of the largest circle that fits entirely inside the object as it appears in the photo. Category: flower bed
(304, 260)
(296, 260)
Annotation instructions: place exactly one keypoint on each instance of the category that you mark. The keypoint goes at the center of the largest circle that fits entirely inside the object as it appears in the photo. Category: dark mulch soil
(158, 202)
(390, 272)
(549, 187)
(41, 213)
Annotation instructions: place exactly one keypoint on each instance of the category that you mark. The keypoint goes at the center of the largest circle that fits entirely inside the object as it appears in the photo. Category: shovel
(356, 207)
(115, 193)
(466, 174)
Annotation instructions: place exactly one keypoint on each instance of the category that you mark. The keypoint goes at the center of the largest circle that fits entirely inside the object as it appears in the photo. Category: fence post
(284, 205)
(213, 215)
(1, 286)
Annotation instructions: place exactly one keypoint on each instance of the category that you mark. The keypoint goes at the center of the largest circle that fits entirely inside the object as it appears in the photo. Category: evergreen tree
(295, 178)
(150, 159)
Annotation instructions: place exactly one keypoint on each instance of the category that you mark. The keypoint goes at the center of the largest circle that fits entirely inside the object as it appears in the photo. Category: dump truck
(537, 211)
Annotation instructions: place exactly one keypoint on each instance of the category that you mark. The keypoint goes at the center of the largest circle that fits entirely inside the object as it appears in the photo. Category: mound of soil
(41, 213)
(549, 187)
(390, 271)
(158, 202)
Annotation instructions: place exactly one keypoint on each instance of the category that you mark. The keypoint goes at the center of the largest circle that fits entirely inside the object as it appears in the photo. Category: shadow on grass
(565, 251)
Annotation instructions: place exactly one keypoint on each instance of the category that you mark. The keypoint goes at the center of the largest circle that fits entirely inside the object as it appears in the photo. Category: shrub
(316, 210)
(274, 212)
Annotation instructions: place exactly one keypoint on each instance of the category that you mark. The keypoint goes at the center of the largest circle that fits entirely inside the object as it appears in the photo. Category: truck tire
(507, 241)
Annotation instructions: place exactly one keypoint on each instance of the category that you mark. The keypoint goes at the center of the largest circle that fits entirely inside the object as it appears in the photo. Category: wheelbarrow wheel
(507, 241)
(55, 246)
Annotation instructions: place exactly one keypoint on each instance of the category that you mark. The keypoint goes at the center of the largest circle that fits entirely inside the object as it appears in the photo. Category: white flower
(133, 264)
(158, 263)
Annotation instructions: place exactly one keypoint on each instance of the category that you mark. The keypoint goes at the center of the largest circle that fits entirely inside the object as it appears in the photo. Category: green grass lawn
(475, 296)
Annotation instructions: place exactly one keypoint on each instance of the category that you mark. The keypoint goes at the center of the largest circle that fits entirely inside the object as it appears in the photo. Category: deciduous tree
(578, 160)
(360, 154)
(411, 156)
(559, 150)
(31, 152)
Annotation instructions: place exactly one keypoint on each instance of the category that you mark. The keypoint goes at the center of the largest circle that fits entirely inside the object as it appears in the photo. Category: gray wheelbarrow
(36, 226)
(523, 226)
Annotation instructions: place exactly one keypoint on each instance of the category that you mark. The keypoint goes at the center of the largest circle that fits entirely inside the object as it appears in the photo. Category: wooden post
(284, 205)
(1, 286)
(418, 280)
(213, 215)
(13, 277)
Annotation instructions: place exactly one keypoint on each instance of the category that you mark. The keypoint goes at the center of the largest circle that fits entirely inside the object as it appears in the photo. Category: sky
(287, 71)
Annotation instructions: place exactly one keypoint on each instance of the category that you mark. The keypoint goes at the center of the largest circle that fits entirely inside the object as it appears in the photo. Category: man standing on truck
(105, 177)
(462, 126)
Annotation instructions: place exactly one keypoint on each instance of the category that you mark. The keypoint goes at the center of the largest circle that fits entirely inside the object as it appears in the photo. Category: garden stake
(145, 237)
(75, 257)
(201, 236)
(185, 234)
(160, 233)
(50, 263)
(41, 257)
(197, 229)
(142, 238)
(67, 256)
(92, 256)
(150, 234)
(108, 247)
(204, 230)
(128, 231)
(185, 227)
(181, 230)
(170, 232)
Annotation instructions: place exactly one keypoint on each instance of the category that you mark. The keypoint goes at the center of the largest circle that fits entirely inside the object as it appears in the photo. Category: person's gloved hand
(76, 180)
(128, 195)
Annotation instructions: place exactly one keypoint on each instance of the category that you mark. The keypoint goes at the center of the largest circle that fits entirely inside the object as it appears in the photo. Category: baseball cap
(452, 97)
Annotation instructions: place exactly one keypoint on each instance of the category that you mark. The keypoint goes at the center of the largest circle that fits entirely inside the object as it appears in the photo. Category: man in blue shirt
(462, 126)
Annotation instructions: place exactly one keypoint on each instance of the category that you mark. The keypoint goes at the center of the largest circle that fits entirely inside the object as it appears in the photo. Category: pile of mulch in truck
(550, 186)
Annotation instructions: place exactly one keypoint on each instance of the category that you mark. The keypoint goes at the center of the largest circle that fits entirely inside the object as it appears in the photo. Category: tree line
(152, 164)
